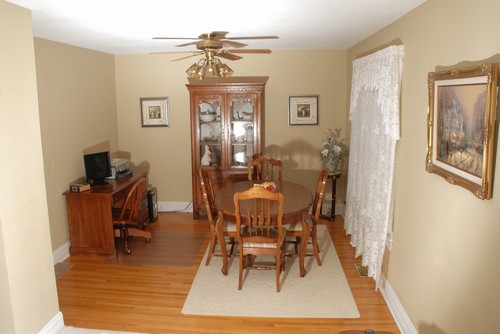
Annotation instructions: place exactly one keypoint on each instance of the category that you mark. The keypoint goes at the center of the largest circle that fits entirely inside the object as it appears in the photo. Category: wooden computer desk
(90, 215)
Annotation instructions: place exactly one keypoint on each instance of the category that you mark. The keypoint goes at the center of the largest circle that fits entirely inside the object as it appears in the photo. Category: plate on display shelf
(206, 107)
(206, 132)
(247, 115)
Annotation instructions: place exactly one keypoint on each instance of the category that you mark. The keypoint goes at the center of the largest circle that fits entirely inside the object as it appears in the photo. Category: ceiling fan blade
(190, 56)
(175, 38)
(249, 51)
(233, 44)
(208, 42)
(216, 35)
(228, 56)
(173, 52)
(252, 37)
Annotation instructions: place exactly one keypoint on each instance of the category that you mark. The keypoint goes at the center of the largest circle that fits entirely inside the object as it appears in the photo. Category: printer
(119, 168)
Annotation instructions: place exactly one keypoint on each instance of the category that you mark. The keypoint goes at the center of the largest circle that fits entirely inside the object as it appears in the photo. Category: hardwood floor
(145, 291)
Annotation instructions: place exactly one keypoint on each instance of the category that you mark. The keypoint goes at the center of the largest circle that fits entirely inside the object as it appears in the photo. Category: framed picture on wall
(461, 126)
(155, 111)
(303, 109)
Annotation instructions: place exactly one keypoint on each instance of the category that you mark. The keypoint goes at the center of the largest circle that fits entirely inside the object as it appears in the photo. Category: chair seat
(229, 227)
(115, 214)
(296, 226)
(273, 235)
(259, 245)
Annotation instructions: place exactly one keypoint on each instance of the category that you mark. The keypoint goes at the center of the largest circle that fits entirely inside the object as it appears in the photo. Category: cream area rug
(323, 293)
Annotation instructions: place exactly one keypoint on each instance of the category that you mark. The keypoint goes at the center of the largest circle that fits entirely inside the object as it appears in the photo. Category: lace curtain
(374, 117)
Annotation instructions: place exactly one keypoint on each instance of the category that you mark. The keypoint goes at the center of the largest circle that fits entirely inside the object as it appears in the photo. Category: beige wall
(27, 283)
(76, 90)
(444, 262)
(167, 150)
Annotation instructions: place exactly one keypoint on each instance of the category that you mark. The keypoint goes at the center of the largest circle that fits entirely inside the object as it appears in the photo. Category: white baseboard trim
(54, 326)
(62, 253)
(175, 206)
(339, 208)
(398, 312)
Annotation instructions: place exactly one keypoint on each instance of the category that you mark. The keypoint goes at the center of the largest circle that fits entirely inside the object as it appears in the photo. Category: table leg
(303, 246)
(331, 217)
(219, 227)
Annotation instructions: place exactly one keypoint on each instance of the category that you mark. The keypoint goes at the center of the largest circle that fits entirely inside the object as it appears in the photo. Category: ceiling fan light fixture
(225, 71)
(200, 73)
(192, 70)
(212, 67)
(208, 70)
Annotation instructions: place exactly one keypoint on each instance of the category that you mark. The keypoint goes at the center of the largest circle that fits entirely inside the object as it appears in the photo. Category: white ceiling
(127, 26)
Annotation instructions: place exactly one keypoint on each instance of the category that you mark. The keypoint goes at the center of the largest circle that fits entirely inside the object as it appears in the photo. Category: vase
(333, 167)
(207, 157)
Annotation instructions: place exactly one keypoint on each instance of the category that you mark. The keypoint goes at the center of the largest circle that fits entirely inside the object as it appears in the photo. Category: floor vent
(362, 270)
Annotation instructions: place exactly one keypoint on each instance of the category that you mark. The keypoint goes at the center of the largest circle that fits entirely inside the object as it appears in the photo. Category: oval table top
(297, 198)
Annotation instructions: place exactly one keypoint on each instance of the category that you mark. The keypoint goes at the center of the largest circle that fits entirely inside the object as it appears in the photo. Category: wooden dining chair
(295, 230)
(229, 228)
(257, 232)
(265, 168)
(126, 218)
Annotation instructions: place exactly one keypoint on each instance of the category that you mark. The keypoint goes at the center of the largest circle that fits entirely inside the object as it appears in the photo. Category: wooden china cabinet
(226, 129)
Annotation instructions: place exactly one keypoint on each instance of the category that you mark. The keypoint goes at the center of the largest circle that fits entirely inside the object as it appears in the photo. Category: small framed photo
(461, 127)
(155, 111)
(303, 109)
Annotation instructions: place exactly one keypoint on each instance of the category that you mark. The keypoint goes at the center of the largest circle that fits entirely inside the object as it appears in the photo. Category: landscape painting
(461, 126)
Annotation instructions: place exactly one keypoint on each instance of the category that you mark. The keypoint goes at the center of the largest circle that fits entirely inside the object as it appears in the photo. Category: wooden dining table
(298, 200)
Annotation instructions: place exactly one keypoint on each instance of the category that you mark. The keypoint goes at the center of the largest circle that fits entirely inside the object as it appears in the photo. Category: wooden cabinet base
(88, 251)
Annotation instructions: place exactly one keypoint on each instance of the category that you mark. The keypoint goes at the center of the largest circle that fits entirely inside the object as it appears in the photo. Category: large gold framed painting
(461, 126)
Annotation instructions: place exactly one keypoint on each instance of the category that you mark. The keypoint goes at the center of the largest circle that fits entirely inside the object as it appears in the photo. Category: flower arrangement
(334, 149)
(270, 186)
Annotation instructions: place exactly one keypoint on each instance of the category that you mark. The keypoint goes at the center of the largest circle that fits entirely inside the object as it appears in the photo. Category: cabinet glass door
(209, 132)
(242, 131)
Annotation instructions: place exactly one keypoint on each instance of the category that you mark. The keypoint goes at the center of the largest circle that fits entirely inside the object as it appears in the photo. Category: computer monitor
(97, 167)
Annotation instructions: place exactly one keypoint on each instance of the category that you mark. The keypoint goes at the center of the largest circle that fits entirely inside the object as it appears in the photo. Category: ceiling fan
(213, 45)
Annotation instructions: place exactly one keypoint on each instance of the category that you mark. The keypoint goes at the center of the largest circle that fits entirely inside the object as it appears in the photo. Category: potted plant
(334, 150)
